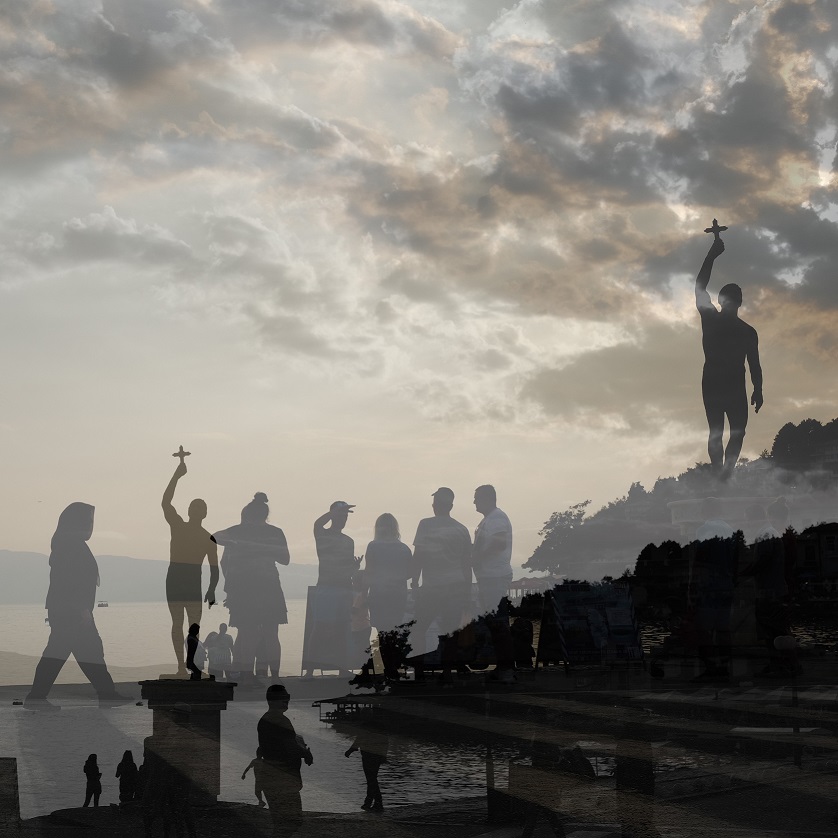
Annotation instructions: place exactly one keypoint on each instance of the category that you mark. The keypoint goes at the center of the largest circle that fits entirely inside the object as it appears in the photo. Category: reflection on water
(809, 632)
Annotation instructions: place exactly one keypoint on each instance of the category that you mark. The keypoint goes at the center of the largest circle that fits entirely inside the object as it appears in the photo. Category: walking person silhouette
(728, 342)
(190, 544)
(73, 578)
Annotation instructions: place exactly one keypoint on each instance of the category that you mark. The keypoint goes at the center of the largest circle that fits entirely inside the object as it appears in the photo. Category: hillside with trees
(802, 464)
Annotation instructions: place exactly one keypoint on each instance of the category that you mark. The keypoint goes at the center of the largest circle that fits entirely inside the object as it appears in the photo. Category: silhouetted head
(197, 510)
(222, 629)
(75, 524)
(210, 638)
(128, 757)
(256, 512)
(340, 510)
(194, 629)
(387, 528)
(91, 760)
(485, 499)
(277, 697)
(443, 501)
(730, 297)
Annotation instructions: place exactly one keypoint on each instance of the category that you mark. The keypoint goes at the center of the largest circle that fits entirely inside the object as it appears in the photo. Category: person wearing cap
(282, 755)
(330, 601)
(492, 559)
(442, 560)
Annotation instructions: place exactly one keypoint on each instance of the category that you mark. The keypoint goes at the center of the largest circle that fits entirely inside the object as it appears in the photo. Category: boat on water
(102, 604)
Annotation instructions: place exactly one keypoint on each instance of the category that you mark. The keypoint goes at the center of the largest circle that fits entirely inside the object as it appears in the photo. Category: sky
(359, 250)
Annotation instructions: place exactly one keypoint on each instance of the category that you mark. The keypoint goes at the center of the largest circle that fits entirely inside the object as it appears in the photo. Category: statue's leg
(176, 610)
(737, 417)
(714, 410)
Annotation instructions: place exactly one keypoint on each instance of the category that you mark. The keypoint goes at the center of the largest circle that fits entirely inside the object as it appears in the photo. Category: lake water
(136, 637)
(51, 748)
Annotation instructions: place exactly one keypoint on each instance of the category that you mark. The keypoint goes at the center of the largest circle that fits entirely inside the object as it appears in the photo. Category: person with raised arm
(327, 644)
(728, 341)
(190, 545)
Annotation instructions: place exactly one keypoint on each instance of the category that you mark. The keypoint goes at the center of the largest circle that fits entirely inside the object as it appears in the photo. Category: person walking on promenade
(373, 743)
(190, 545)
(282, 755)
(256, 765)
(73, 578)
(93, 788)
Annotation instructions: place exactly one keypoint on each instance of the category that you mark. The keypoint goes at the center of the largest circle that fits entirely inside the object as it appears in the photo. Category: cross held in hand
(715, 229)
(181, 454)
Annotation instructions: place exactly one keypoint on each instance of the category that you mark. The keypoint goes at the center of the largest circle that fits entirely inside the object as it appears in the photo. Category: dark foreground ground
(799, 808)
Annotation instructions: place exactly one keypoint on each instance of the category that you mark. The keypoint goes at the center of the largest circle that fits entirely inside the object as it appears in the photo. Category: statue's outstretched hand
(756, 400)
(717, 248)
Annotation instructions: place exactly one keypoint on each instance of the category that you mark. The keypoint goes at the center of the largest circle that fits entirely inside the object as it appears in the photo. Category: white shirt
(491, 560)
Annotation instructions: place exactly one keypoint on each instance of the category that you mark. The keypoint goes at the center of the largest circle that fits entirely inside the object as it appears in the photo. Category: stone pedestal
(187, 730)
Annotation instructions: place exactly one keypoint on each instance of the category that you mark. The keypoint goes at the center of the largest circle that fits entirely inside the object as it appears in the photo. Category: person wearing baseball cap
(330, 601)
(442, 559)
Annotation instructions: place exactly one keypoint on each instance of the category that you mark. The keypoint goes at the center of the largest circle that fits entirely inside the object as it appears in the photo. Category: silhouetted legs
(94, 794)
(282, 791)
(495, 607)
(720, 400)
(75, 636)
(371, 763)
(192, 610)
(268, 650)
(257, 647)
(446, 606)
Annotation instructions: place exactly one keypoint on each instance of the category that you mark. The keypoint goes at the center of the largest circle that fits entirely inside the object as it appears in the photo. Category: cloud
(398, 184)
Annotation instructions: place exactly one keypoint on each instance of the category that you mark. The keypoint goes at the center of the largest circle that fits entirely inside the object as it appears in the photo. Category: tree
(556, 534)
(795, 446)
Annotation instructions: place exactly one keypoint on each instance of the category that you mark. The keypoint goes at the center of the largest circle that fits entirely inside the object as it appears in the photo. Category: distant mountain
(123, 579)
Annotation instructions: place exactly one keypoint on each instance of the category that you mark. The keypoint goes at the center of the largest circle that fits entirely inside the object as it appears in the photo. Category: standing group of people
(440, 570)
(352, 593)
(346, 601)
(127, 772)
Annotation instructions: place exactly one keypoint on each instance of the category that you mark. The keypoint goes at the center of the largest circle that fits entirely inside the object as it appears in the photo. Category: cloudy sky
(363, 249)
